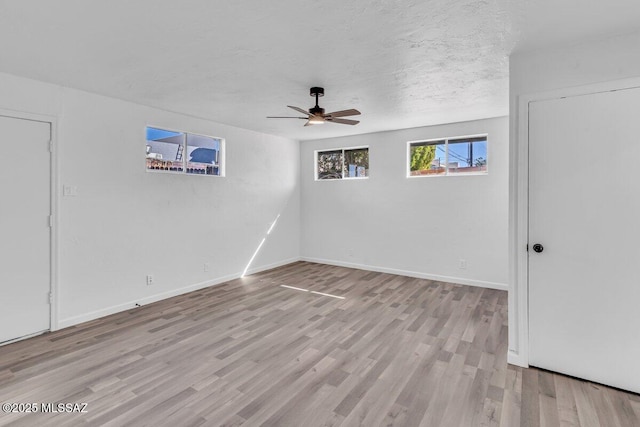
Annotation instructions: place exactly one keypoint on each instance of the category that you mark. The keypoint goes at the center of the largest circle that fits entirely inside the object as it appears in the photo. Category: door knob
(538, 248)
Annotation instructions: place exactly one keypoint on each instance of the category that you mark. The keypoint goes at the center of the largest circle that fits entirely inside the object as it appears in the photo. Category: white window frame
(221, 154)
(446, 148)
(343, 149)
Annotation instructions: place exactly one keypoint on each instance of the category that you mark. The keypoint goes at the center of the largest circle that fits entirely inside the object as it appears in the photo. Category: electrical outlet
(462, 264)
(149, 280)
(207, 267)
(350, 253)
(69, 190)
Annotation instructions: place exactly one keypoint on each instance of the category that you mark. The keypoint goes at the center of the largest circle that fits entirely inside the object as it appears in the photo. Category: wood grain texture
(397, 351)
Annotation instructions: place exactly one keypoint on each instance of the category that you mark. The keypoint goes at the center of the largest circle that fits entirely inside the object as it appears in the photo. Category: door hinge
(51, 146)
(50, 297)
(50, 221)
(527, 247)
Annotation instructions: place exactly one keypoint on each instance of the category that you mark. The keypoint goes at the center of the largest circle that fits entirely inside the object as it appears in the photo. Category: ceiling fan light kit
(316, 114)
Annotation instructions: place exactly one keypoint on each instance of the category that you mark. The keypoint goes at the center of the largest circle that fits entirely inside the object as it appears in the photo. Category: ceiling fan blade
(287, 117)
(308, 124)
(343, 121)
(343, 113)
(299, 110)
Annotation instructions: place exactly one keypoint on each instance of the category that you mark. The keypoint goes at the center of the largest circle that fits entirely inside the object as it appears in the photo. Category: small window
(451, 156)
(428, 158)
(356, 163)
(203, 155)
(330, 164)
(343, 163)
(467, 155)
(183, 152)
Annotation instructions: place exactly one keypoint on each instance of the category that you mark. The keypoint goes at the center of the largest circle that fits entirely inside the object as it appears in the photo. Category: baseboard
(71, 321)
(24, 337)
(418, 275)
(272, 266)
(515, 358)
(86, 317)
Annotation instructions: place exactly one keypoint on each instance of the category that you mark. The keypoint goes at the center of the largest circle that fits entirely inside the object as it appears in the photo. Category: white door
(25, 206)
(584, 209)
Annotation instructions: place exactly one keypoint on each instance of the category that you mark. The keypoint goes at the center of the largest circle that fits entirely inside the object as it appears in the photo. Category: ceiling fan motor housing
(319, 91)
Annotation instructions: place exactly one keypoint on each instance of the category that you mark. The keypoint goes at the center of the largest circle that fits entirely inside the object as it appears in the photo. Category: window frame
(446, 145)
(184, 143)
(316, 153)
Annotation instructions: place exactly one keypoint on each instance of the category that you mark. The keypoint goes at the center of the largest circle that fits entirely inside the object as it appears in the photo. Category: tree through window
(343, 163)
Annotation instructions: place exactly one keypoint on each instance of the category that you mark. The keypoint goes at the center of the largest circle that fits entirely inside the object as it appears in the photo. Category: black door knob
(538, 248)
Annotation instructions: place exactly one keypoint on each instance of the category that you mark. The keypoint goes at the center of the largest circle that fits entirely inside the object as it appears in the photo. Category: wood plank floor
(396, 351)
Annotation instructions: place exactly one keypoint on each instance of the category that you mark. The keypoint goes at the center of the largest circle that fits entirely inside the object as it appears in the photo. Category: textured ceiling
(401, 63)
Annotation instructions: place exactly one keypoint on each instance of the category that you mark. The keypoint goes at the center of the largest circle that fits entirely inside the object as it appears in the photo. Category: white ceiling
(401, 63)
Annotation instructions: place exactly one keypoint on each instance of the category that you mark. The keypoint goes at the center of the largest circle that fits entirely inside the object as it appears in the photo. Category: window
(183, 152)
(343, 163)
(449, 156)
(427, 158)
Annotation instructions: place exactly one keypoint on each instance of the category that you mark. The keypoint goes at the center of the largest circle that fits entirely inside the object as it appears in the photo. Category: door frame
(54, 206)
(519, 211)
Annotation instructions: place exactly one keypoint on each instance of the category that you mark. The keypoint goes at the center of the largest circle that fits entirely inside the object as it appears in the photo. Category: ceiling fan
(317, 116)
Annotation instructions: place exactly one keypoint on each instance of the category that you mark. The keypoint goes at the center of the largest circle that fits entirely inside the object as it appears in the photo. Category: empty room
(301, 213)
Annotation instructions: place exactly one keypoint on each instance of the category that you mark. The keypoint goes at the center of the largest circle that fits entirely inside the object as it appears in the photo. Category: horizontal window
(182, 152)
(449, 156)
(343, 163)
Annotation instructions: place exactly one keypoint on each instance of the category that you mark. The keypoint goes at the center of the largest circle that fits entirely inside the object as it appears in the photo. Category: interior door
(25, 265)
(584, 211)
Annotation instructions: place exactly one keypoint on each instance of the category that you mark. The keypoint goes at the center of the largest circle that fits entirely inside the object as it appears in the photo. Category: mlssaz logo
(64, 408)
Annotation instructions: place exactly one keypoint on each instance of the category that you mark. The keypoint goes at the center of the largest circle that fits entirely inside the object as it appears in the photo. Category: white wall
(126, 223)
(537, 73)
(419, 227)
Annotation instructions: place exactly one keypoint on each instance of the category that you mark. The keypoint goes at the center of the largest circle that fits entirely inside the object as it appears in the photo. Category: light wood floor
(396, 351)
